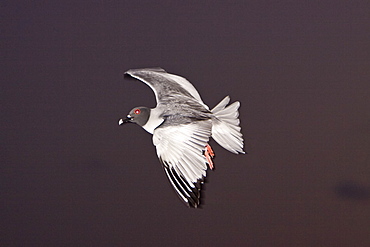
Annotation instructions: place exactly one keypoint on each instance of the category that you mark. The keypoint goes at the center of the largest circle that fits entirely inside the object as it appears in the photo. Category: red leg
(208, 152)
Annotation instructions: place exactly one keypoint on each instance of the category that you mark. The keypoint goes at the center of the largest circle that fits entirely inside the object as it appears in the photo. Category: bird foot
(208, 152)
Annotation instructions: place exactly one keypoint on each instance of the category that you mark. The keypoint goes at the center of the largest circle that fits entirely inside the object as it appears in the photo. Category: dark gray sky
(70, 176)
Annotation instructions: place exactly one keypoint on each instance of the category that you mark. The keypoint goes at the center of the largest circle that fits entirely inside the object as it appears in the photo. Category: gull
(181, 125)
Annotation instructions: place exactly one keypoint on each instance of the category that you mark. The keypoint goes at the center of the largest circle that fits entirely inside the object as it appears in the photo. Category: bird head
(138, 115)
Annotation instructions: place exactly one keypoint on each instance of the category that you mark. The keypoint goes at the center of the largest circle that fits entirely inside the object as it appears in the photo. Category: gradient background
(70, 176)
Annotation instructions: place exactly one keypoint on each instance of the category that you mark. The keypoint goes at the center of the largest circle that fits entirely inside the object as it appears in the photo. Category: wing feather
(180, 150)
(166, 85)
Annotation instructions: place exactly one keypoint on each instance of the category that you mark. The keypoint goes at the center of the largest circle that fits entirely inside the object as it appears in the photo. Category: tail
(225, 126)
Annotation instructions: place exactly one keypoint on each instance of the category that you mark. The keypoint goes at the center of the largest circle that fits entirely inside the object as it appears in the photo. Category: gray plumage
(181, 125)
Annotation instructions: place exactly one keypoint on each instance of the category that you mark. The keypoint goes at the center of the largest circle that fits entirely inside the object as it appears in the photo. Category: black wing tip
(197, 189)
(191, 197)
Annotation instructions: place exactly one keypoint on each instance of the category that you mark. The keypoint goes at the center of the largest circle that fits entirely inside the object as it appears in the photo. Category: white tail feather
(225, 126)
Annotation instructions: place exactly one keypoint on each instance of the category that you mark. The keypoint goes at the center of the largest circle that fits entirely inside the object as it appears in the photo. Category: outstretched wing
(166, 85)
(180, 149)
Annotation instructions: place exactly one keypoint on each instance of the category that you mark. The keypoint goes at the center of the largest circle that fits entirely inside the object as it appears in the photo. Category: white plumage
(181, 125)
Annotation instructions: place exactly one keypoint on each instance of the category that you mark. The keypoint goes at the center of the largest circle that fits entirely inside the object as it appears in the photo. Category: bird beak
(126, 120)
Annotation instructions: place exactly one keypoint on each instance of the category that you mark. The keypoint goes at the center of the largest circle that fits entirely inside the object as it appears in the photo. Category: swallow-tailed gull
(181, 125)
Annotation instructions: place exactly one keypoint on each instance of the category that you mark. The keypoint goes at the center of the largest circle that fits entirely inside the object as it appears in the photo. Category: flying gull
(181, 125)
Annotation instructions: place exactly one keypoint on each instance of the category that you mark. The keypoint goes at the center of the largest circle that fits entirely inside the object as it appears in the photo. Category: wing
(180, 149)
(164, 84)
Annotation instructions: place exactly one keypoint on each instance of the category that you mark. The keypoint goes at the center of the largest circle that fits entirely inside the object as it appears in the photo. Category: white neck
(154, 120)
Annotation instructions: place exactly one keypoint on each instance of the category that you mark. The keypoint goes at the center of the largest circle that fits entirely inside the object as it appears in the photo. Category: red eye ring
(137, 111)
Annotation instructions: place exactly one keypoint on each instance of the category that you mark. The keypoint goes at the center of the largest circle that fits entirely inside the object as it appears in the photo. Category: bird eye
(137, 111)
